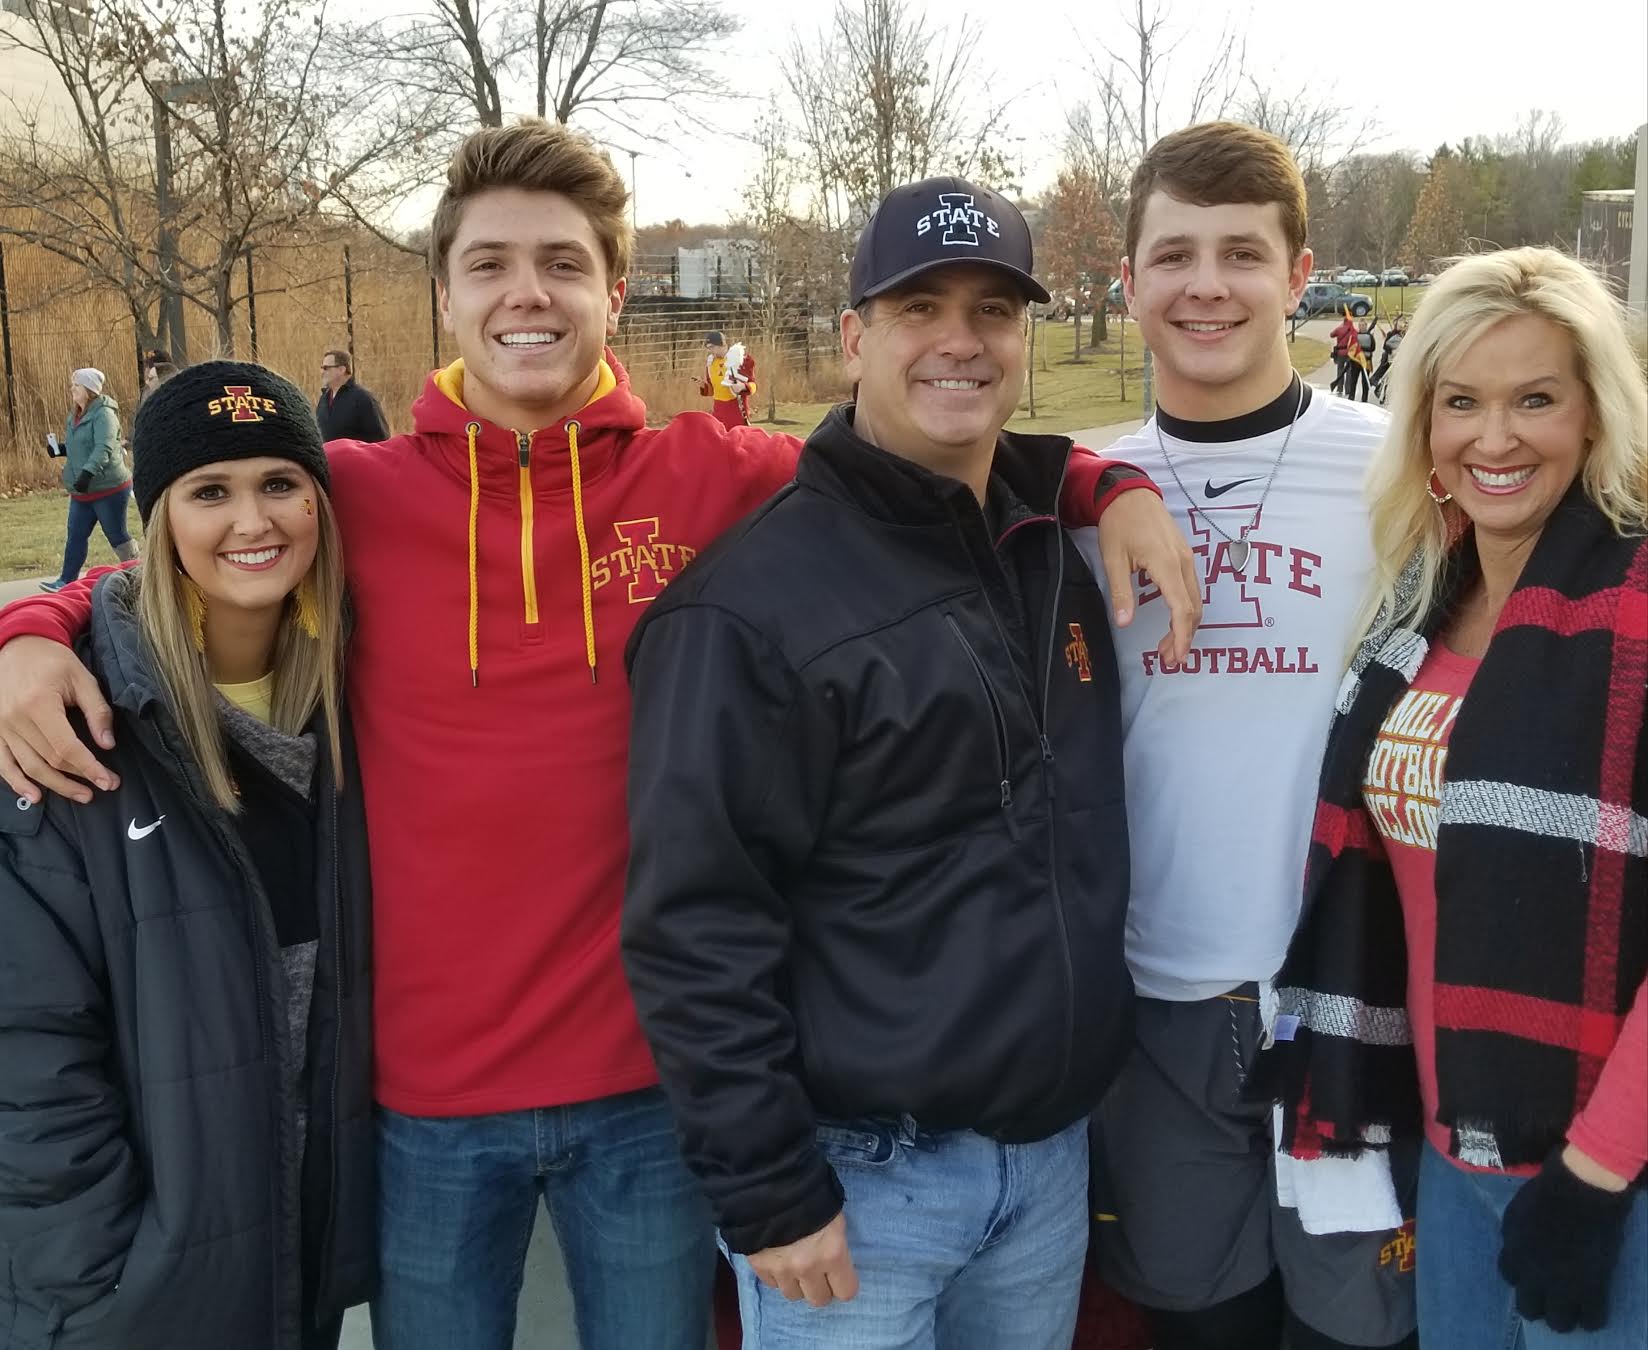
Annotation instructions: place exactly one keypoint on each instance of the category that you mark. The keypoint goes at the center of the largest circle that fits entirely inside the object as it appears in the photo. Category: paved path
(16, 590)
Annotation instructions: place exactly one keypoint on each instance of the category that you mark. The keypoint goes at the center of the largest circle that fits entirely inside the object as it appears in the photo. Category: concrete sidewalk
(16, 590)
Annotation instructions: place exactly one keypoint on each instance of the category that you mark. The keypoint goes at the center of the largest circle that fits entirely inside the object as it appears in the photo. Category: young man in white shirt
(1222, 752)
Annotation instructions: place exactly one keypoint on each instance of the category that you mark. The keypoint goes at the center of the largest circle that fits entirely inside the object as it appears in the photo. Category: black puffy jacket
(879, 853)
(150, 1193)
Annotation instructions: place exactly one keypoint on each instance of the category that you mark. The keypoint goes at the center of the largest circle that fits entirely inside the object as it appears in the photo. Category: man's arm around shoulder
(40, 679)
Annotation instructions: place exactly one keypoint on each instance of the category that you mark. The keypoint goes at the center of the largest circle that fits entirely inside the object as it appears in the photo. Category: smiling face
(529, 302)
(1510, 426)
(80, 396)
(245, 530)
(1211, 288)
(939, 364)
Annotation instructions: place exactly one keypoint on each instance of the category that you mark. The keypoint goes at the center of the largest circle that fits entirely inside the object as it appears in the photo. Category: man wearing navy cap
(878, 868)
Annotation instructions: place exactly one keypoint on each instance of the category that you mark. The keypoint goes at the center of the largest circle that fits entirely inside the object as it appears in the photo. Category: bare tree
(65, 179)
(1137, 72)
(469, 62)
(884, 98)
(772, 226)
(1321, 131)
(1133, 80)
(613, 57)
(247, 141)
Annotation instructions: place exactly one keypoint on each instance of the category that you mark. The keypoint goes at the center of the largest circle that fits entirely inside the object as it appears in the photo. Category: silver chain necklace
(1240, 549)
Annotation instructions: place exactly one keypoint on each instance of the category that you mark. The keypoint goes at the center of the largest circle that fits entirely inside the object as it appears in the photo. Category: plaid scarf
(1541, 871)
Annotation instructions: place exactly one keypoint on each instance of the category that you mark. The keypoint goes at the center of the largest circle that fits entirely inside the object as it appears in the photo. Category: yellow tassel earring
(194, 607)
(307, 612)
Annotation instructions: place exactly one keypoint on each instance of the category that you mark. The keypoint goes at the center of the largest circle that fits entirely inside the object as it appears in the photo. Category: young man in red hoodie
(535, 515)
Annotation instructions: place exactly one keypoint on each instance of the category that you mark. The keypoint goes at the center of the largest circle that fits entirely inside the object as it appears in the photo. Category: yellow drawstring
(474, 430)
(583, 549)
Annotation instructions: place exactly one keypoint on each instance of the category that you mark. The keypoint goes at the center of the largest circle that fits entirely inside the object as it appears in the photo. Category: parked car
(1355, 276)
(1394, 276)
(1332, 298)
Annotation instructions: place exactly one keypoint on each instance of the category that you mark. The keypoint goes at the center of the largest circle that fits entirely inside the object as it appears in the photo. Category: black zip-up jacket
(150, 1191)
(879, 853)
(351, 414)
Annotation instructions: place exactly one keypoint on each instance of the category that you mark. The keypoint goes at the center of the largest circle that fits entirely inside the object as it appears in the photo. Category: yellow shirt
(257, 697)
(717, 374)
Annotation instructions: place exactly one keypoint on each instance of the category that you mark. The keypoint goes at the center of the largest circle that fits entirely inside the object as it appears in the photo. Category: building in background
(719, 269)
(31, 94)
(1605, 228)
(1638, 292)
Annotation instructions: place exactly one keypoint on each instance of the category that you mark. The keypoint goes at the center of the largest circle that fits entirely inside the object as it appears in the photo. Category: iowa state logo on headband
(242, 404)
(961, 220)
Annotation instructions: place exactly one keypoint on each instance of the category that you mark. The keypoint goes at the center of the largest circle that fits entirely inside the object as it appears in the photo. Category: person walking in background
(1360, 352)
(347, 411)
(1471, 970)
(1344, 338)
(1393, 340)
(728, 379)
(94, 472)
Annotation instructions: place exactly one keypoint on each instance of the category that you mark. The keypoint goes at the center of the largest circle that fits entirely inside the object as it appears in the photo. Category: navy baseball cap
(936, 222)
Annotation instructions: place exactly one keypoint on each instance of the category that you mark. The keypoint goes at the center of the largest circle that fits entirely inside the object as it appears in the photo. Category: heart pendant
(1239, 550)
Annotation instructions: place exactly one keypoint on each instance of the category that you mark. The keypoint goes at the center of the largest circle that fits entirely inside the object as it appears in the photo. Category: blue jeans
(960, 1243)
(109, 512)
(458, 1197)
(1463, 1302)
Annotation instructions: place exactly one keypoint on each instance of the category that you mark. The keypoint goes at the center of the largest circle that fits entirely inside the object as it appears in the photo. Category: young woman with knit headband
(186, 1138)
(1471, 966)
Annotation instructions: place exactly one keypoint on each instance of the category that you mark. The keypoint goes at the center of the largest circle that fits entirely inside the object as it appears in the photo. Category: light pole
(633, 154)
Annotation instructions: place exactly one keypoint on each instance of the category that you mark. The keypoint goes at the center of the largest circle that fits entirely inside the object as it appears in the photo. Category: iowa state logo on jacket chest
(643, 559)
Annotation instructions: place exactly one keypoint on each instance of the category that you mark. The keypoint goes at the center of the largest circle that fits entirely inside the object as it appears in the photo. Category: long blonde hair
(1469, 298)
(308, 672)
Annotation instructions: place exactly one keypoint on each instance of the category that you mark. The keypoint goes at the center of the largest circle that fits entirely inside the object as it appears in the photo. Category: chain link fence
(303, 297)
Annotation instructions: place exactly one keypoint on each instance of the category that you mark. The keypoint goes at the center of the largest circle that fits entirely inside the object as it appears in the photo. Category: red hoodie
(491, 712)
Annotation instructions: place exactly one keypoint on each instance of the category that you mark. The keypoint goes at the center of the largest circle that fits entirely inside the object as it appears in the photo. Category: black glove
(1561, 1243)
(83, 483)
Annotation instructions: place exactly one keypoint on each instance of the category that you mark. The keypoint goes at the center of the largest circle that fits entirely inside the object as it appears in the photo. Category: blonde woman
(186, 1156)
(1472, 963)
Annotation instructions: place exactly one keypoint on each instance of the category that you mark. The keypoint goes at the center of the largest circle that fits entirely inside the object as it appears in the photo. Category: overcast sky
(1427, 71)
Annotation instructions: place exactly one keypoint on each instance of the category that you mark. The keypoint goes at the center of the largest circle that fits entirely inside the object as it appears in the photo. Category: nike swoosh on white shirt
(135, 831)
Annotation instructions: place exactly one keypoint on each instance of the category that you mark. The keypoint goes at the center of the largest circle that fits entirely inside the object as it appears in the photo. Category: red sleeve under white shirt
(1402, 786)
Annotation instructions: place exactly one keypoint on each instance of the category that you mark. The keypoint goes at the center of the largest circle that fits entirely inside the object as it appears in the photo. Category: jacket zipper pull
(1047, 762)
(523, 448)
(1006, 794)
